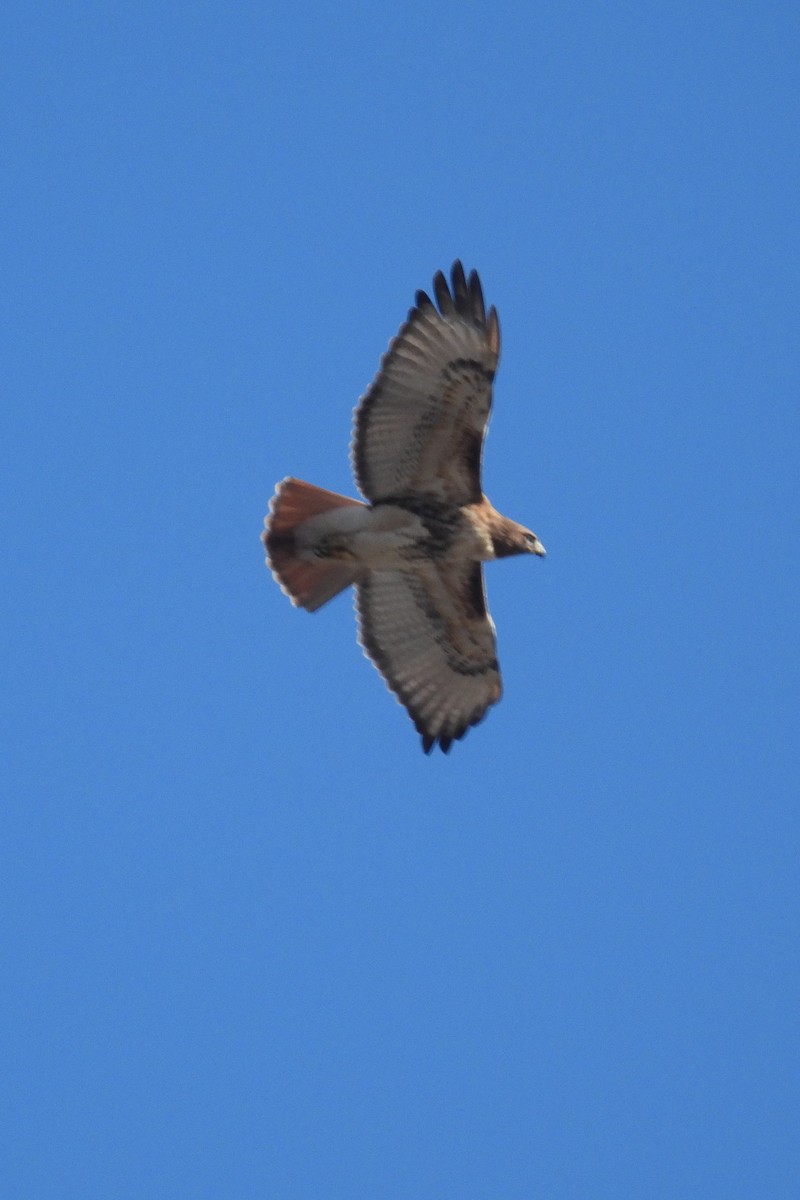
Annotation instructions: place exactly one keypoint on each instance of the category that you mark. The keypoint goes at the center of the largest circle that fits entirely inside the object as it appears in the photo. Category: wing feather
(429, 633)
(419, 428)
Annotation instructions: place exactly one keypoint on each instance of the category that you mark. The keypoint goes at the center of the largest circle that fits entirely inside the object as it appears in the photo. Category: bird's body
(414, 551)
(393, 536)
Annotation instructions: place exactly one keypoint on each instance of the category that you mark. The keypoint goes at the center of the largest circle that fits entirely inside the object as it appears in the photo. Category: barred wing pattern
(420, 426)
(430, 635)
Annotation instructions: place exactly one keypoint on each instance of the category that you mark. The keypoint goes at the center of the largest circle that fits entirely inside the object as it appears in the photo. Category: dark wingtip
(442, 294)
(494, 331)
(459, 280)
(476, 296)
(443, 741)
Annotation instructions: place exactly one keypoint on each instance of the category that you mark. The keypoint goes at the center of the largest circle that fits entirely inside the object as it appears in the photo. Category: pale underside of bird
(414, 551)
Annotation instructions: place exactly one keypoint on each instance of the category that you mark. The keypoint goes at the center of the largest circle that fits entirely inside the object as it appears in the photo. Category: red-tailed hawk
(414, 551)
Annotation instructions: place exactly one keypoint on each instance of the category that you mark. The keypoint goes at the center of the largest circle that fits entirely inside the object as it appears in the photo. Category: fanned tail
(308, 583)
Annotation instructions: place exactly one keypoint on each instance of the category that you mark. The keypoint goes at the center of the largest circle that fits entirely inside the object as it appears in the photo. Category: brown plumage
(415, 551)
(308, 583)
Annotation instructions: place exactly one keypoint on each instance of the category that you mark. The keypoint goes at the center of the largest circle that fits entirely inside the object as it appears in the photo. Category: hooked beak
(538, 548)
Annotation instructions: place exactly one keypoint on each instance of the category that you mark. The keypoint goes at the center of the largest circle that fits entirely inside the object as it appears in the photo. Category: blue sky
(255, 943)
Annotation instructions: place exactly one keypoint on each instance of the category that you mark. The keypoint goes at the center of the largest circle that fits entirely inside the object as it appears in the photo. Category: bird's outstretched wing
(429, 633)
(419, 428)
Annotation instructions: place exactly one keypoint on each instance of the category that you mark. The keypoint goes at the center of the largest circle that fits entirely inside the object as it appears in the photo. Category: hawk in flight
(415, 550)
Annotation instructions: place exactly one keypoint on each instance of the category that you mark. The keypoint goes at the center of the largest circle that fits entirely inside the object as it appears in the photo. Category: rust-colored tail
(307, 584)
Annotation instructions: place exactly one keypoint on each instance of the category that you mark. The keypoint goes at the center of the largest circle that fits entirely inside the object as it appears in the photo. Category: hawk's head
(508, 537)
(533, 545)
